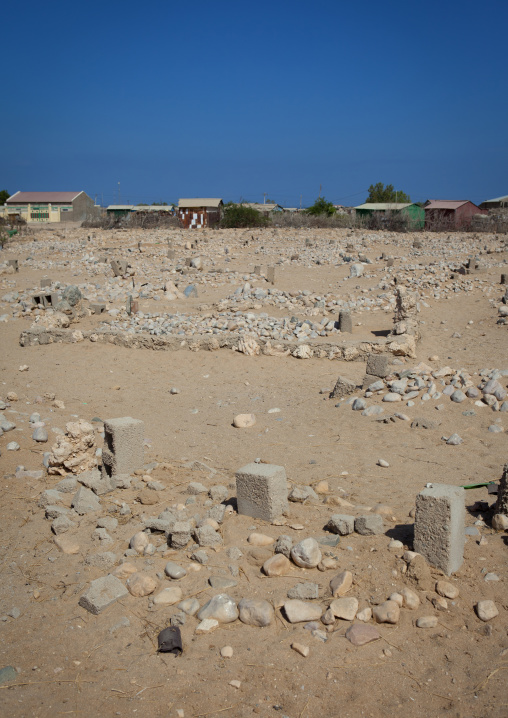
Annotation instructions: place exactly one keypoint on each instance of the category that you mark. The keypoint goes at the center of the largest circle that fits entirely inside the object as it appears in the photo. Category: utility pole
(300, 201)
(264, 197)
(320, 188)
(119, 193)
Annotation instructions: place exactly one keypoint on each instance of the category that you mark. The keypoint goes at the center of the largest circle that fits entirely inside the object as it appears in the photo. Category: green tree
(321, 206)
(237, 215)
(379, 193)
(4, 196)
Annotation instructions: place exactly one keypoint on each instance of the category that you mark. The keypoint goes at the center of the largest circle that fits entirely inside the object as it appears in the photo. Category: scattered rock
(301, 649)
(306, 553)
(427, 622)
(256, 612)
(340, 584)
(222, 608)
(298, 611)
(345, 608)
(387, 612)
(486, 610)
(168, 596)
(141, 584)
(359, 634)
(244, 421)
(277, 565)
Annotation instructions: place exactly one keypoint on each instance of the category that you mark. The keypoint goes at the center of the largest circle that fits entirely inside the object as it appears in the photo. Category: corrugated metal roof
(497, 199)
(120, 206)
(42, 197)
(153, 208)
(384, 205)
(199, 202)
(259, 207)
(446, 203)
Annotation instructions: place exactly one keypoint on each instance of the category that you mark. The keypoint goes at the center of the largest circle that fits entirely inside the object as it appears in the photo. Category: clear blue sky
(234, 99)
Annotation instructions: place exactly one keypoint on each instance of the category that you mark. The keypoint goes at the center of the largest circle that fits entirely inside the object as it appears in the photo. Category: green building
(414, 213)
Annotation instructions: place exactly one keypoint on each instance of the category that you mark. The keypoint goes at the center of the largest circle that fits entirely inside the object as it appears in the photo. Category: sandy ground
(72, 662)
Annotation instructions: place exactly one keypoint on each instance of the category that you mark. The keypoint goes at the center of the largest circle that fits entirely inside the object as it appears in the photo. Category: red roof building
(443, 214)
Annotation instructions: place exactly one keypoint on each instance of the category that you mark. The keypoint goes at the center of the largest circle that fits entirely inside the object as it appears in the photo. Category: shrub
(321, 206)
(237, 215)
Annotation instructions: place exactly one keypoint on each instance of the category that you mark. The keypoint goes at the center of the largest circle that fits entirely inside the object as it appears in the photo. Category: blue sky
(231, 99)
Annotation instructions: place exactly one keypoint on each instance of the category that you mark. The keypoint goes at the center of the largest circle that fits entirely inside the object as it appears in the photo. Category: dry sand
(72, 662)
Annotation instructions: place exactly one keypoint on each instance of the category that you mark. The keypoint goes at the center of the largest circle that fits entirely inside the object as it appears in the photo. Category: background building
(495, 203)
(49, 206)
(200, 212)
(450, 214)
(414, 214)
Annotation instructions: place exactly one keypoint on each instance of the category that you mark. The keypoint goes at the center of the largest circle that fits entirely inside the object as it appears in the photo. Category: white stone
(168, 596)
(365, 614)
(139, 542)
(306, 553)
(345, 608)
(244, 421)
(486, 610)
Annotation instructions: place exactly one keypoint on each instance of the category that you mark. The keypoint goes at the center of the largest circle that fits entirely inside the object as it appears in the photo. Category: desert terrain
(210, 338)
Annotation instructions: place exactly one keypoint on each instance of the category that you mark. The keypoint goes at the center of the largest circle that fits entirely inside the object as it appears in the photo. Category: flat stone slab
(359, 634)
(102, 593)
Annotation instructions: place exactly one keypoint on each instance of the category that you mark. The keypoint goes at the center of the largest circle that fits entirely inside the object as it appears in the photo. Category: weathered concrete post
(261, 491)
(439, 526)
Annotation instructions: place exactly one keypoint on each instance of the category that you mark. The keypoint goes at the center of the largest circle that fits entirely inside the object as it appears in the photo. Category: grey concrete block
(369, 525)
(343, 387)
(341, 524)
(378, 365)
(345, 322)
(97, 307)
(207, 536)
(270, 274)
(180, 534)
(85, 501)
(439, 526)
(102, 593)
(123, 451)
(369, 379)
(261, 491)
(46, 283)
(98, 483)
(119, 267)
(217, 513)
(49, 497)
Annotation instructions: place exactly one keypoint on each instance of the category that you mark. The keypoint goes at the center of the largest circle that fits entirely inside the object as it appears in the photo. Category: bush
(321, 206)
(136, 220)
(237, 215)
(301, 220)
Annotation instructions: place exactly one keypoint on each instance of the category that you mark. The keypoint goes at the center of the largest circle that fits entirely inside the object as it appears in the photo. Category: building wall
(82, 207)
(464, 214)
(199, 217)
(45, 212)
(416, 215)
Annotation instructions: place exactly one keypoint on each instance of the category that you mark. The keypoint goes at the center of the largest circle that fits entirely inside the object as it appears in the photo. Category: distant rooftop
(384, 205)
(445, 203)
(497, 199)
(260, 207)
(42, 197)
(199, 202)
